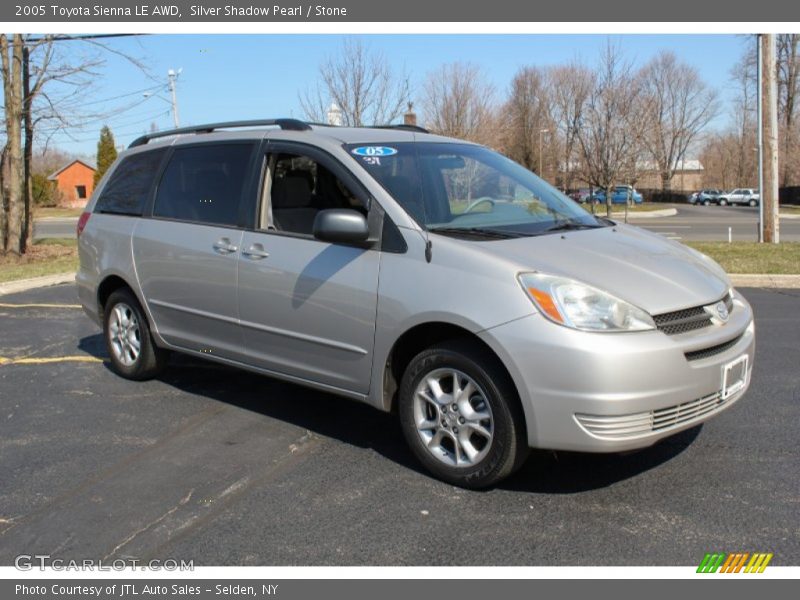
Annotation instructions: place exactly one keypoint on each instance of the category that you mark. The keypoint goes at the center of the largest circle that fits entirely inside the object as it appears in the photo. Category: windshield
(462, 188)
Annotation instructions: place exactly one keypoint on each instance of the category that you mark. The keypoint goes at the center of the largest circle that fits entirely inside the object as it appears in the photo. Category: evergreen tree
(106, 152)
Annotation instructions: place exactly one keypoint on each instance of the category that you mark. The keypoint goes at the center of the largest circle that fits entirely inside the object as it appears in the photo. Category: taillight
(82, 221)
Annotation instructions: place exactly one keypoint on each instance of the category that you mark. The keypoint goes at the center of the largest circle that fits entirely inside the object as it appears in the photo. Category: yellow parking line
(48, 360)
(6, 305)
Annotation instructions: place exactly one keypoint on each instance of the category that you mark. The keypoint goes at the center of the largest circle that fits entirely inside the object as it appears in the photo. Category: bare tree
(13, 182)
(362, 84)
(719, 156)
(3, 201)
(45, 87)
(527, 114)
(569, 86)
(744, 120)
(789, 105)
(611, 128)
(458, 102)
(678, 106)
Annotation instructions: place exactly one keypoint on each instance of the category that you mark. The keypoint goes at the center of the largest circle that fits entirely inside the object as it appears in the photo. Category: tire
(493, 407)
(125, 327)
(706, 202)
(753, 203)
(723, 202)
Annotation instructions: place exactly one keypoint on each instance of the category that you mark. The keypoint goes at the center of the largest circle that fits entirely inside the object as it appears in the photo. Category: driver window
(300, 187)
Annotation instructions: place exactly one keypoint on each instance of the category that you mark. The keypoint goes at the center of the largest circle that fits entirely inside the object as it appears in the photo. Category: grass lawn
(46, 257)
(751, 257)
(44, 212)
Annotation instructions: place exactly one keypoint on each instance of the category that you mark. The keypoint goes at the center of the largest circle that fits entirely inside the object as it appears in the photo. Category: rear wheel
(753, 203)
(130, 345)
(723, 202)
(706, 202)
(460, 415)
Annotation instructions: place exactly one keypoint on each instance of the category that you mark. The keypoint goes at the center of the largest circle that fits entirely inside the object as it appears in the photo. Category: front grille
(687, 319)
(637, 424)
(712, 350)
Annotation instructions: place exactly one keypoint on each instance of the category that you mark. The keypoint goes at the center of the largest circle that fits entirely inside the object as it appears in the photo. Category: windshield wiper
(571, 226)
(477, 231)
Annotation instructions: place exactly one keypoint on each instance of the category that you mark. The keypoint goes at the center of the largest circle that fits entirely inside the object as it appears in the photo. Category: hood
(643, 268)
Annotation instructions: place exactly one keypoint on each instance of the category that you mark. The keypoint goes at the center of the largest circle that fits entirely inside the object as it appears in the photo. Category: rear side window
(204, 184)
(126, 192)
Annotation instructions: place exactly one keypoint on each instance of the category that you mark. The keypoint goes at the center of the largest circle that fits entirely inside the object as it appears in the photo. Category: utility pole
(173, 76)
(769, 124)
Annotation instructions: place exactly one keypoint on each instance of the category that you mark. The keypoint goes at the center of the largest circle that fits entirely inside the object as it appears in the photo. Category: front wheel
(461, 416)
(130, 346)
(753, 203)
(723, 202)
(706, 202)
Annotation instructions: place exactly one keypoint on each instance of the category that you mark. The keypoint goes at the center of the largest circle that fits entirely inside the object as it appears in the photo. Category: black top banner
(470, 11)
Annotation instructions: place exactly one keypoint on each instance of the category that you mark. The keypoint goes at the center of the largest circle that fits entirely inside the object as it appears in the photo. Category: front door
(307, 307)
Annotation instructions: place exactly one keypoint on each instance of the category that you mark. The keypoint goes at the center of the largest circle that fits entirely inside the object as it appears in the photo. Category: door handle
(256, 252)
(224, 246)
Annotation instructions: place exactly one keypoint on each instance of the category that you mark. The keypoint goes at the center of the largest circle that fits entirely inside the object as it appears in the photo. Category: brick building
(74, 183)
(689, 176)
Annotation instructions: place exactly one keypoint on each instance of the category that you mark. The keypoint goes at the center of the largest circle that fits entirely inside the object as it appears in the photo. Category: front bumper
(610, 392)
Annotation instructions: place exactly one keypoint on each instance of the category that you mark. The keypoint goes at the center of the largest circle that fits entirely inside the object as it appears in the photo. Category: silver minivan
(420, 274)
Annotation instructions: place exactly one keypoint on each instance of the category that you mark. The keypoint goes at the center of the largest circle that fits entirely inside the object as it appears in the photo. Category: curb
(765, 281)
(650, 214)
(23, 285)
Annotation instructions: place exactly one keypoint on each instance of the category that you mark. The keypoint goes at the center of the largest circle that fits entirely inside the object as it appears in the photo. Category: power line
(69, 38)
(137, 119)
(117, 134)
(142, 91)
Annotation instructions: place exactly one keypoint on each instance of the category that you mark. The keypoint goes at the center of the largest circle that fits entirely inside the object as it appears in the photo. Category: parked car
(705, 197)
(740, 197)
(330, 257)
(582, 195)
(620, 195)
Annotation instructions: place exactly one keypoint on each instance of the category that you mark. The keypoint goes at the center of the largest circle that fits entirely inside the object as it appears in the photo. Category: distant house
(75, 183)
(688, 176)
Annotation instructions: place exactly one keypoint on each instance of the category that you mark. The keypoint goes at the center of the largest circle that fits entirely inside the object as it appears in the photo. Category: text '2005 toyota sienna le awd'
(420, 274)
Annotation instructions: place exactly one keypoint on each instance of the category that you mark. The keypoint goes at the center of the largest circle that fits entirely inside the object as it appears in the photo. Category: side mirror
(341, 225)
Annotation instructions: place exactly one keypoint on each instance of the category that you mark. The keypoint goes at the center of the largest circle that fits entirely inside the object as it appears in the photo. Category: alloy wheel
(453, 417)
(124, 334)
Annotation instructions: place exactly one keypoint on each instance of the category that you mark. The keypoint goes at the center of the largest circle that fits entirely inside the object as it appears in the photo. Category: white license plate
(734, 376)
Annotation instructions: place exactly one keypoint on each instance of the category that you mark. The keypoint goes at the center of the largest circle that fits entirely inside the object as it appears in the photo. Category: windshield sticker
(374, 151)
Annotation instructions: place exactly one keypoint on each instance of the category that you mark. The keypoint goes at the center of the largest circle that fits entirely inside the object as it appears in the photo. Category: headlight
(581, 306)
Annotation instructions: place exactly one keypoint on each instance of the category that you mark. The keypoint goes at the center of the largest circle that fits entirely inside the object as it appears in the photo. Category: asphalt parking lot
(229, 468)
(711, 224)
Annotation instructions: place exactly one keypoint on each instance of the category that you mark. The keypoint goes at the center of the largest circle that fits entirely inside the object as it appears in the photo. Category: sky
(230, 77)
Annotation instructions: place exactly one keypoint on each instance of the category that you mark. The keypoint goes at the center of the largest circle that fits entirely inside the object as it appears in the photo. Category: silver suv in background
(740, 197)
(420, 274)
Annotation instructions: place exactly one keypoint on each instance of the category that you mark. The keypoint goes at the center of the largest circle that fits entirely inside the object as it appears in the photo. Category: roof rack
(291, 124)
(403, 126)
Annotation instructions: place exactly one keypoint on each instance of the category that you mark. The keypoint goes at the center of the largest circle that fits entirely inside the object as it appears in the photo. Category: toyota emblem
(722, 311)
